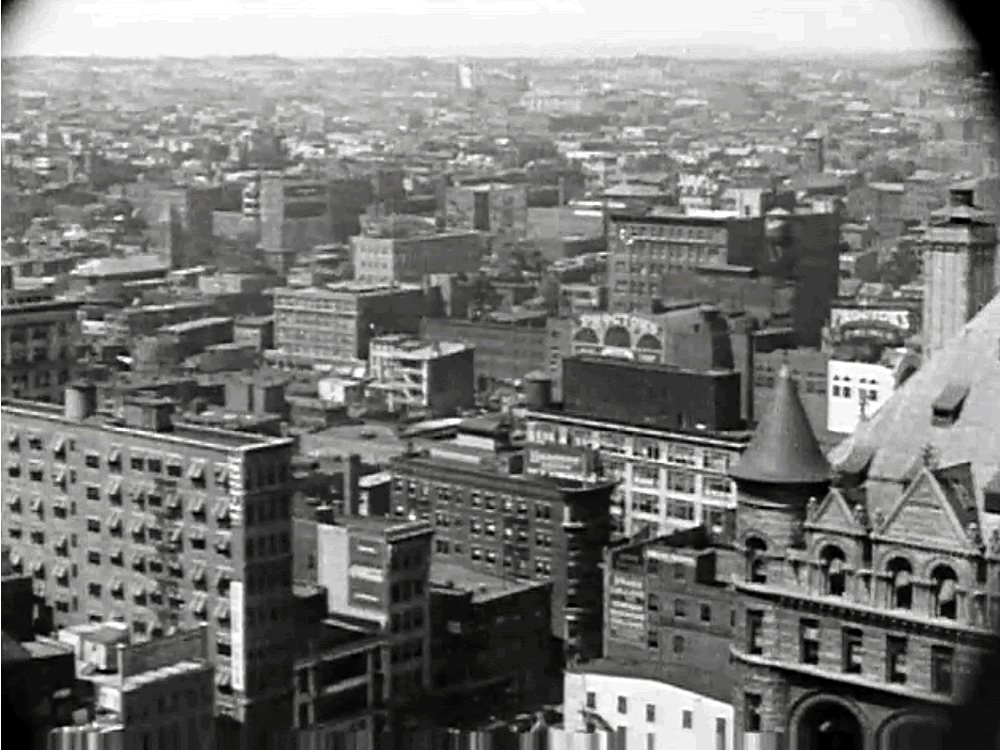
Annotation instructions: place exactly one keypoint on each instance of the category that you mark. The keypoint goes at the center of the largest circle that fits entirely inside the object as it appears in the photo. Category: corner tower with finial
(779, 479)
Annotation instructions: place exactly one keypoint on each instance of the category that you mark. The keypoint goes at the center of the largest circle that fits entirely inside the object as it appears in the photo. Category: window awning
(62, 543)
(59, 475)
(222, 542)
(222, 610)
(221, 474)
(196, 532)
(200, 605)
(13, 436)
(173, 501)
(115, 521)
(115, 488)
(222, 510)
(175, 534)
(137, 527)
(60, 571)
(114, 455)
(836, 566)
(117, 587)
(138, 590)
(138, 559)
(198, 504)
(222, 678)
(36, 505)
(223, 578)
(197, 469)
(199, 574)
(902, 578)
(58, 444)
(15, 559)
(38, 567)
(14, 501)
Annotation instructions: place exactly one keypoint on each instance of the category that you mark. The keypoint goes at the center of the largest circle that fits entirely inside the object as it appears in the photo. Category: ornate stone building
(871, 587)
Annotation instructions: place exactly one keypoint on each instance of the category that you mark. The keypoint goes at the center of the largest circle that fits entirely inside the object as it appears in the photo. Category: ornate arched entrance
(828, 725)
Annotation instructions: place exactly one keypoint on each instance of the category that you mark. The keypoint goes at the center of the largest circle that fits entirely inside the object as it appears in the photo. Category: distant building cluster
(407, 404)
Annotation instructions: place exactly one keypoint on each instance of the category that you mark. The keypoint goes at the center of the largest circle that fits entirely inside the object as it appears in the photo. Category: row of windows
(476, 498)
(142, 533)
(652, 714)
(853, 649)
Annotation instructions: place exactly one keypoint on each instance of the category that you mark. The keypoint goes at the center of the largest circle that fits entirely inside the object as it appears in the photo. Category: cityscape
(634, 402)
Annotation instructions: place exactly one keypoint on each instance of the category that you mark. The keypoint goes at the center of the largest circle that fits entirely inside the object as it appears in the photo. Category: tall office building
(161, 526)
(812, 153)
(295, 216)
(334, 324)
(869, 589)
(41, 335)
(960, 258)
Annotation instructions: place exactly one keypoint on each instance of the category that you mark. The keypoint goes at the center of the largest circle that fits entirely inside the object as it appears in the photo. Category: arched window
(756, 549)
(649, 341)
(832, 560)
(901, 580)
(617, 336)
(945, 580)
(586, 336)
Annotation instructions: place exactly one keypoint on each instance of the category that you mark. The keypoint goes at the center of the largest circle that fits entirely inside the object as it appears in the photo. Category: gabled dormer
(933, 512)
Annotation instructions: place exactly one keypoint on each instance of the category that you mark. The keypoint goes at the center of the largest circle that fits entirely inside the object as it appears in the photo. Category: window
(756, 563)
(852, 640)
(678, 644)
(751, 712)
(943, 592)
(94, 525)
(653, 640)
(900, 573)
(92, 461)
(645, 476)
(680, 571)
(720, 734)
(621, 737)
(653, 603)
(645, 503)
(591, 700)
(681, 481)
(687, 719)
(832, 564)
(755, 628)
(650, 712)
(706, 613)
(680, 608)
(650, 741)
(622, 704)
(94, 589)
(137, 463)
(836, 390)
(896, 659)
(809, 641)
(942, 662)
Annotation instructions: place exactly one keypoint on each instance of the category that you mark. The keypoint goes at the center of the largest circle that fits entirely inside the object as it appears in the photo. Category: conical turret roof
(784, 449)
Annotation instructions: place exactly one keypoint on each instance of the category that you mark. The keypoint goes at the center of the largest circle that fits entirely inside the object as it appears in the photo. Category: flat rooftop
(136, 681)
(181, 432)
(484, 586)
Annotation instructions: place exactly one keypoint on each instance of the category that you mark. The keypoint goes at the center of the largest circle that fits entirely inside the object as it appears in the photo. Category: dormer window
(948, 405)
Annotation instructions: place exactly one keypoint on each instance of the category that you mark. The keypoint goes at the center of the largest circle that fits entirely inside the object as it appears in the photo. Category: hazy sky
(351, 27)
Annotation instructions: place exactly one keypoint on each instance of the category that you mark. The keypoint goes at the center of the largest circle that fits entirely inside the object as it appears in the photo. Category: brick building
(160, 525)
(333, 324)
(514, 525)
(41, 340)
(387, 260)
(868, 594)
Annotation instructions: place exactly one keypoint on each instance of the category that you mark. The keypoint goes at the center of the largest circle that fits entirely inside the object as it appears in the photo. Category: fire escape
(165, 508)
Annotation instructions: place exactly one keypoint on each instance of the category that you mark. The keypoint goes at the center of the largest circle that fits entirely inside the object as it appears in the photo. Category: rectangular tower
(960, 251)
